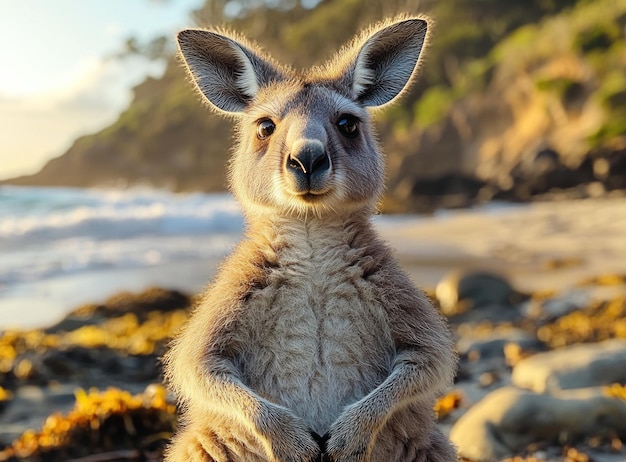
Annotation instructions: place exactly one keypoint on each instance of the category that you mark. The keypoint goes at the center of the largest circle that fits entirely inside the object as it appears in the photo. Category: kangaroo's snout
(309, 161)
(308, 167)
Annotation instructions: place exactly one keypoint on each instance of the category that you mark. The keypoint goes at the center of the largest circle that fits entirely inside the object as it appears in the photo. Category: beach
(543, 245)
(538, 246)
(521, 285)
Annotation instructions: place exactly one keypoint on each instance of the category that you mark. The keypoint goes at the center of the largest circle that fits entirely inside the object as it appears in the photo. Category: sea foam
(49, 231)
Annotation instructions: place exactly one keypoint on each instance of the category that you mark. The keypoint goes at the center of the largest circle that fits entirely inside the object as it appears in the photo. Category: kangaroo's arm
(213, 386)
(423, 368)
(201, 369)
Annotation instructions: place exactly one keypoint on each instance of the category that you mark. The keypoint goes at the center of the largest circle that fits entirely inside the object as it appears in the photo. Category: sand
(549, 245)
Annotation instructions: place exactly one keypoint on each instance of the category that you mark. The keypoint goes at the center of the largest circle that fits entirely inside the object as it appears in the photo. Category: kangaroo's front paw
(290, 440)
(341, 449)
(295, 448)
(190, 446)
(348, 439)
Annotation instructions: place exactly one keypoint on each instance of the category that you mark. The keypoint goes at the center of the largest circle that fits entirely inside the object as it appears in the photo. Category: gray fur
(310, 324)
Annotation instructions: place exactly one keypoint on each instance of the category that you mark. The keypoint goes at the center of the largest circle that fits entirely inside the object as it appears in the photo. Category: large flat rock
(507, 420)
(576, 366)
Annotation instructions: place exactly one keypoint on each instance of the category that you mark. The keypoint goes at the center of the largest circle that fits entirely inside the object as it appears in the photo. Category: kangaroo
(311, 343)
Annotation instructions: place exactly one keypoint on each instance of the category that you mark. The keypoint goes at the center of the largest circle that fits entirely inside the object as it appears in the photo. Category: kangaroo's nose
(308, 159)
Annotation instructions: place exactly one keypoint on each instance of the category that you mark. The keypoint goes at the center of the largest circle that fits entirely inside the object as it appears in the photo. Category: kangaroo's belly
(315, 350)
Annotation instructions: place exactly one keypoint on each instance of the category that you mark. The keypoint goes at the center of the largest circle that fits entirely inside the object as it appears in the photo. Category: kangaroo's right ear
(381, 66)
(227, 73)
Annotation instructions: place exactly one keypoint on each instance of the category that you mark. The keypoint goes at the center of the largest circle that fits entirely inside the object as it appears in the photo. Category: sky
(56, 82)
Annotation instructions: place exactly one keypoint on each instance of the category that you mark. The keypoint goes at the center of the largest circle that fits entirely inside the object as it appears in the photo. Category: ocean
(61, 247)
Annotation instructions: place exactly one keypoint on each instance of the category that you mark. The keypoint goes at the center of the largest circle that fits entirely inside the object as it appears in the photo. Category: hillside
(513, 101)
(544, 111)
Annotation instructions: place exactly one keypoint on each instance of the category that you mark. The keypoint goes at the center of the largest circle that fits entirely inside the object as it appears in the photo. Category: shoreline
(44, 303)
(539, 246)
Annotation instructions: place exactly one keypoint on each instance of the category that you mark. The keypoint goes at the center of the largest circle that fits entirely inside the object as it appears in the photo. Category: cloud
(37, 127)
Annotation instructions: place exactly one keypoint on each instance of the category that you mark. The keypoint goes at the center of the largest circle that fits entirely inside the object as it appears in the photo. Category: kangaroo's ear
(386, 61)
(226, 72)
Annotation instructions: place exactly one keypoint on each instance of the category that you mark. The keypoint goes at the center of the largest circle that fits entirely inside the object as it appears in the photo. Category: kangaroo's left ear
(227, 73)
(386, 62)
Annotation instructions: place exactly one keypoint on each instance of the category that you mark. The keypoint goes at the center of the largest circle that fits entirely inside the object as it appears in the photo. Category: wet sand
(41, 304)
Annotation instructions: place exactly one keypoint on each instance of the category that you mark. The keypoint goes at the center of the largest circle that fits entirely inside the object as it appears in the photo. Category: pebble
(463, 290)
(491, 343)
(555, 307)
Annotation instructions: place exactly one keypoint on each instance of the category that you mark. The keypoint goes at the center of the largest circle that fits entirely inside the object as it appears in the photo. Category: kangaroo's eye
(265, 128)
(348, 126)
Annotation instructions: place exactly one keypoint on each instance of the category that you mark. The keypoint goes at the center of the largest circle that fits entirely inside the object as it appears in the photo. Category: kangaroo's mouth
(308, 189)
(313, 197)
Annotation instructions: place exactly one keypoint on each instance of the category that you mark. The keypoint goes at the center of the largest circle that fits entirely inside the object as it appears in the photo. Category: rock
(461, 292)
(57, 365)
(114, 344)
(489, 343)
(576, 366)
(484, 352)
(30, 406)
(609, 167)
(509, 419)
(89, 367)
(538, 173)
(140, 304)
(555, 307)
(488, 379)
(449, 190)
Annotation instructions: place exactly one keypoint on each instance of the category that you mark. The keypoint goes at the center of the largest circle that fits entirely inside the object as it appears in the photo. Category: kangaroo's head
(305, 141)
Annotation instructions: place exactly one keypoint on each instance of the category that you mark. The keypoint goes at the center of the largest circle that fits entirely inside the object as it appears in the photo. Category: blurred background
(515, 99)
(506, 178)
(113, 172)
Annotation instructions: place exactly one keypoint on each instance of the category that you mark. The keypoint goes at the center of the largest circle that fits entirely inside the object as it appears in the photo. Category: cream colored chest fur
(315, 338)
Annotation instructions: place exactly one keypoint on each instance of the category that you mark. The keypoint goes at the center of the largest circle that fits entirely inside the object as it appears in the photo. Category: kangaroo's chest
(319, 339)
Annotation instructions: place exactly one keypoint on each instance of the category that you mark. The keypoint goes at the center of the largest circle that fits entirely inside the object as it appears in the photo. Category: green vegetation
(433, 106)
